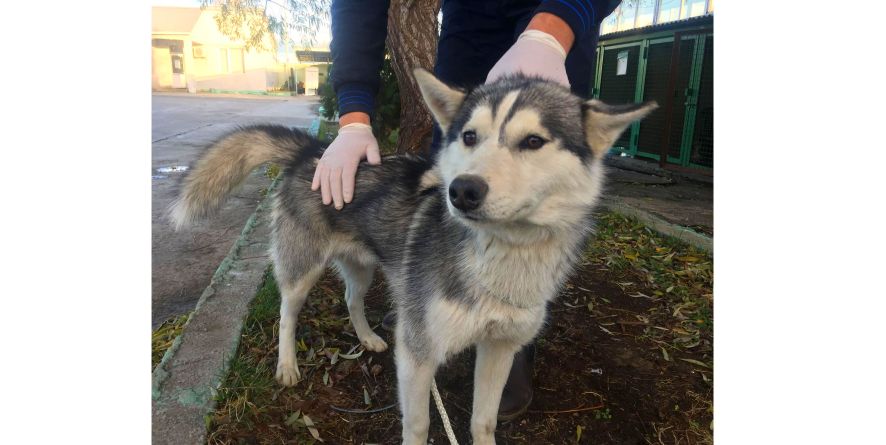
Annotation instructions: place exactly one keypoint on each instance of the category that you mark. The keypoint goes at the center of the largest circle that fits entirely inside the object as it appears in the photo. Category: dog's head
(522, 150)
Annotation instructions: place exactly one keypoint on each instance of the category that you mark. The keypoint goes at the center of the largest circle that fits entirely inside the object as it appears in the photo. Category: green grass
(163, 336)
(327, 131)
(250, 384)
(247, 373)
(272, 171)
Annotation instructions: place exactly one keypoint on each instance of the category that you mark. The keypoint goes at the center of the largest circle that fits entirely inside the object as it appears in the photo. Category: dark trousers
(475, 34)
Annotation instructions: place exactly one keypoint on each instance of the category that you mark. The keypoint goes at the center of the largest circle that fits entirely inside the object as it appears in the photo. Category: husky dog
(473, 245)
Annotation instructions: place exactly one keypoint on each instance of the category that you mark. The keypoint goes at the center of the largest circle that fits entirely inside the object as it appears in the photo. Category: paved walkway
(183, 125)
(184, 382)
(673, 198)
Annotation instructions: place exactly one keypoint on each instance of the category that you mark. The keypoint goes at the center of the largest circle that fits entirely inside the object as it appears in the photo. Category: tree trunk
(412, 41)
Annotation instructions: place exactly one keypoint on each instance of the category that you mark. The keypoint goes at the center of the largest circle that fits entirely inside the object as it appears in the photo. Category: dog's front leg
(414, 377)
(494, 359)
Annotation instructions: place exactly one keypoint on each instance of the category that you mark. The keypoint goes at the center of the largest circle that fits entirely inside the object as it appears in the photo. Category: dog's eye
(469, 137)
(532, 142)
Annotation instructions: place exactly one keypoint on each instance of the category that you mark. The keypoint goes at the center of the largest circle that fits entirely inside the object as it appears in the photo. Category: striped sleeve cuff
(355, 98)
(579, 14)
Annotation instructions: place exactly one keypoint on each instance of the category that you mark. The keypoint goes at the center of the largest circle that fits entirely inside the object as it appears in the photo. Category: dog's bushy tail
(227, 163)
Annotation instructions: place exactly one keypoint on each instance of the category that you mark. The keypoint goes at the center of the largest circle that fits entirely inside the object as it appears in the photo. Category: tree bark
(412, 41)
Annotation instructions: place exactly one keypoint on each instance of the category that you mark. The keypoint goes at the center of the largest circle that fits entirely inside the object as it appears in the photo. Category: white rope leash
(439, 402)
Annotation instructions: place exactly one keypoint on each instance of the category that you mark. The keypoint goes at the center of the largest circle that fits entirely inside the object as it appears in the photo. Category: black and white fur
(459, 277)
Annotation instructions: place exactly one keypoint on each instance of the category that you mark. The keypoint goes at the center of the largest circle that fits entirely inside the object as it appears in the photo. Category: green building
(638, 60)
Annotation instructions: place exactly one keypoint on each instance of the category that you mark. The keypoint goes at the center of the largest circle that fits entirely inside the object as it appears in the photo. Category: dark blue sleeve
(359, 29)
(583, 16)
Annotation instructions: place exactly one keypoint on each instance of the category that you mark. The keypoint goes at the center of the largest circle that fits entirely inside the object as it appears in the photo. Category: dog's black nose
(466, 192)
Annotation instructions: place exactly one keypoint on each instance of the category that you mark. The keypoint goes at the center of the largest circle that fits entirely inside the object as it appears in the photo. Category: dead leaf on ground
(310, 424)
(695, 362)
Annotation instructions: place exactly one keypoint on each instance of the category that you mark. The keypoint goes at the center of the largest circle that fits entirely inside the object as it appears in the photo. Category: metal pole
(669, 102)
(655, 10)
(636, 13)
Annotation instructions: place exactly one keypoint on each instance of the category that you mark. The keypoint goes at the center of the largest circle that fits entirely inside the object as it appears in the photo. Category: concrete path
(670, 203)
(182, 126)
(185, 381)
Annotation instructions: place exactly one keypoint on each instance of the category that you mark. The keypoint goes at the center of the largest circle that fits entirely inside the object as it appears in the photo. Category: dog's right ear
(443, 101)
(605, 123)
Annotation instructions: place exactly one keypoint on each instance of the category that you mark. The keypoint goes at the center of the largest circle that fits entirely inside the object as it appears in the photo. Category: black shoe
(389, 321)
(517, 395)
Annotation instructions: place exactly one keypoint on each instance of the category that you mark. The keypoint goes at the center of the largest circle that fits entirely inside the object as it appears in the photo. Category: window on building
(692, 8)
(668, 11)
(628, 14)
(223, 60)
(610, 24)
(231, 60)
(178, 64)
(645, 13)
(631, 14)
(235, 60)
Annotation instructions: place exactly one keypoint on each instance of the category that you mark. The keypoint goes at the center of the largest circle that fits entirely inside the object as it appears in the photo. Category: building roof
(700, 21)
(168, 19)
(307, 56)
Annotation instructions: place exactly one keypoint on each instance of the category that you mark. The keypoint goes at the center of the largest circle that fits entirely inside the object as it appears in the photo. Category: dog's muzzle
(466, 192)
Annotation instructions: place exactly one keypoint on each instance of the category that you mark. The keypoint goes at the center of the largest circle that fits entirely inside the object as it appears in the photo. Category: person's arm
(551, 33)
(583, 17)
(359, 29)
(555, 27)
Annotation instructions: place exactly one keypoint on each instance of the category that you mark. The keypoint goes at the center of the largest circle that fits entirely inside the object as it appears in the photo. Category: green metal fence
(675, 68)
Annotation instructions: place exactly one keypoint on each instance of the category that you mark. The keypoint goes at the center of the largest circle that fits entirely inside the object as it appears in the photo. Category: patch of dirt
(616, 361)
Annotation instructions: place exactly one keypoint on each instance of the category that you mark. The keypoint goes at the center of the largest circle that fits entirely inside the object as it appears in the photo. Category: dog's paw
(374, 343)
(287, 375)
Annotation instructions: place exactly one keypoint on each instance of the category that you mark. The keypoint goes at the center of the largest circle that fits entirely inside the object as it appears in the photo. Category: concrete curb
(226, 96)
(636, 165)
(684, 234)
(186, 380)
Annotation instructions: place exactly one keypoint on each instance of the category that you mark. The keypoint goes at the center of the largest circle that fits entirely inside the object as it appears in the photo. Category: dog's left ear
(443, 101)
(605, 123)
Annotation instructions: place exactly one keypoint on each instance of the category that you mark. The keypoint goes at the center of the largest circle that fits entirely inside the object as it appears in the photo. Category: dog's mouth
(481, 217)
(470, 217)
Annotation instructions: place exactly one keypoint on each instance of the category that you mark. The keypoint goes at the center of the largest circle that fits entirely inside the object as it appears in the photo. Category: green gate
(680, 78)
(618, 79)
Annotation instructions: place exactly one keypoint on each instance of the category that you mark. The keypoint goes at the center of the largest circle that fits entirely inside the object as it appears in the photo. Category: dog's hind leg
(358, 278)
(293, 293)
(494, 360)
(414, 377)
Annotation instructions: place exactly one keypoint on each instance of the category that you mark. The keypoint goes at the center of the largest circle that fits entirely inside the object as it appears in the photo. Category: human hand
(539, 51)
(337, 169)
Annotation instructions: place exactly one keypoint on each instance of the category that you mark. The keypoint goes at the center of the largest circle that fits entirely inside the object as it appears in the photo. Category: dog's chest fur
(505, 293)
(457, 326)
(520, 275)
